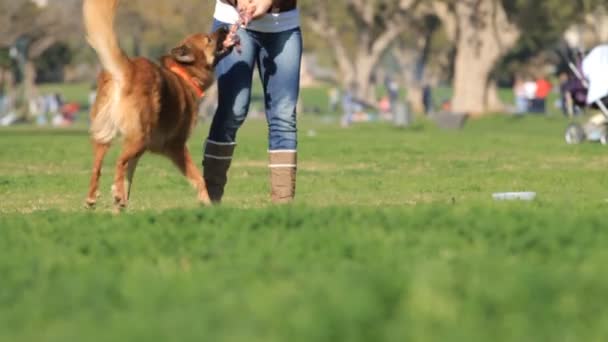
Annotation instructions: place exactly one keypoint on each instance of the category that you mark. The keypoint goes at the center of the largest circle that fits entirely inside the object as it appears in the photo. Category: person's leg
(279, 64)
(234, 75)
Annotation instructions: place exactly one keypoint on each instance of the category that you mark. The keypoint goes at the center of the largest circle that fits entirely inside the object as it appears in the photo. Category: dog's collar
(181, 72)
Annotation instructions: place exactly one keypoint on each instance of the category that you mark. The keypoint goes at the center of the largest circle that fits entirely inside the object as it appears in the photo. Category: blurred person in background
(530, 93)
(334, 99)
(565, 99)
(543, 90)
(349, 105)
(519, 93)
(38, 109)
(2, 98)
(427, 99)
(392, 90)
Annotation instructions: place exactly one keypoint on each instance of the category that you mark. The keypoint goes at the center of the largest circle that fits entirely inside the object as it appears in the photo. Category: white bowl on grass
(514, 196)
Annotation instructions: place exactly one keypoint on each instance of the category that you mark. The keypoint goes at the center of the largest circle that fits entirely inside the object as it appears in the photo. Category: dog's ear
(183, 54)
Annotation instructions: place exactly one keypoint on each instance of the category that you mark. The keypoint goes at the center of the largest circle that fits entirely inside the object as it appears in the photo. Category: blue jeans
(278, 56)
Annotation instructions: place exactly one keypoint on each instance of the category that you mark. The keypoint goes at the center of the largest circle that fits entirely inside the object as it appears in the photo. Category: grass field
(393, 237)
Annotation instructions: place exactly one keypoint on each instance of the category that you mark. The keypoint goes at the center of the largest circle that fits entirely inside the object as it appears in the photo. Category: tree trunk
(11, 91)
(363, 79)
(412, 66)
(472, 69)
(29, 84)
(8, 86)
(484, 34)
(414, 98)
(493, 102)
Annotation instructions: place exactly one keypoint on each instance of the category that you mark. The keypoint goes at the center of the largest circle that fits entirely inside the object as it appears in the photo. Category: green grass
(393, 237)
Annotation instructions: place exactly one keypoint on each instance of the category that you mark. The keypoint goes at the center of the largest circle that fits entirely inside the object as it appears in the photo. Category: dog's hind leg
(131, 151)
(99, 152)
(182, 159)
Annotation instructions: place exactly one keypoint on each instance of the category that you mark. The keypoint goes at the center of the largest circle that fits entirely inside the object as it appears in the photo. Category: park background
(394, 235)
(467, 50)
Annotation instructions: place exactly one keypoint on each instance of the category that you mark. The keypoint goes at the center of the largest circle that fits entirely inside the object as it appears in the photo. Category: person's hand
(232, 39)
(246, 14)
(256, 8)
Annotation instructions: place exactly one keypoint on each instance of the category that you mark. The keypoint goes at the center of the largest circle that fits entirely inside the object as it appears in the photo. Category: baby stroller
(588, 89)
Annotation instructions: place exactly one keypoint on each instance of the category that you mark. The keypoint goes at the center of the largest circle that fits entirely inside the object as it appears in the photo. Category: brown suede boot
(283, 167)
(217, 160)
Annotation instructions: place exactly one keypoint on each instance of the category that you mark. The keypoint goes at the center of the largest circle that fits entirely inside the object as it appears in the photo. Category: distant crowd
(387, 108)
(531, 94)
(45, 110)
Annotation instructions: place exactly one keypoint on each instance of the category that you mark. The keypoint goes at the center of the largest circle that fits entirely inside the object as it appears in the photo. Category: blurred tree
(418, 50)
(51, 63)
(484, 31)
(5, 72)
(471, 42)
(358, 33)
(32, 29)
(596, 21)
(147, 27)
(151, 28)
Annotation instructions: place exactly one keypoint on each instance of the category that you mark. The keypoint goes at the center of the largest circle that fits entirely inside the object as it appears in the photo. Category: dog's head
(202, 50)
(199, 53)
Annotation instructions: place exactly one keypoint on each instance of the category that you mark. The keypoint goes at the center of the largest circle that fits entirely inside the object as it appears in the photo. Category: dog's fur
(153, 108)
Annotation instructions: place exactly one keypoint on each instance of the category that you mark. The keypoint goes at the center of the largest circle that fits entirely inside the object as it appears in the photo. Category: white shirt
(271, 22)
(530, 90)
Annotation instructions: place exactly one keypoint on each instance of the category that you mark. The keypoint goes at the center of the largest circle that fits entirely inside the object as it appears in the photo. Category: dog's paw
(118, 196)
(120, 202)
(203, 199)
(90, 203)
(118, 209)
(120, 205)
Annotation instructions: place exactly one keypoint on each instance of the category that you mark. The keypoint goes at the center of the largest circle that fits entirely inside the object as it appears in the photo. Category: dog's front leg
(182, 159)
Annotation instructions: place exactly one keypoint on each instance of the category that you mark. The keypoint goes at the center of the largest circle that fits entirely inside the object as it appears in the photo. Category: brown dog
(153, 107)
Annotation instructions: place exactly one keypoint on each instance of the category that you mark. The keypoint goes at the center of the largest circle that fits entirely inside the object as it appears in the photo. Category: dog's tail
(99, 23)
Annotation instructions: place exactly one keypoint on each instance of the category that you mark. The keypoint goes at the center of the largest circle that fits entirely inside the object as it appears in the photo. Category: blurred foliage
(543, 24)
(151, 28)
(52, 61)
(5, 59)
